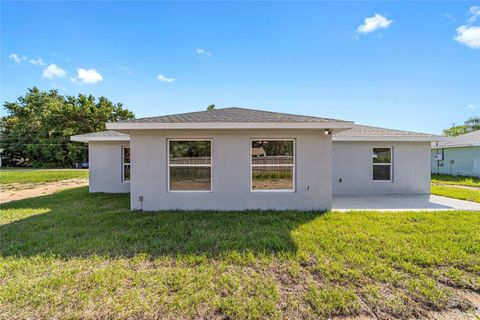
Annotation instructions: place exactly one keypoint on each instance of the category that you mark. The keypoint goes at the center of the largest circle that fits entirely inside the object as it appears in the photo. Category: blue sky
(412, 65)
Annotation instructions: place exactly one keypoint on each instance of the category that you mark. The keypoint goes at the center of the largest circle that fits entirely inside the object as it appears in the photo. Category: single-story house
(235, 158)
(457, 156)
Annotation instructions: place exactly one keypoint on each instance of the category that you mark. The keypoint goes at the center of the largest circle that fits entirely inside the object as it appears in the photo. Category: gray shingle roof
(228, 115)
(370, 132)
(464, 140)
(108, 133)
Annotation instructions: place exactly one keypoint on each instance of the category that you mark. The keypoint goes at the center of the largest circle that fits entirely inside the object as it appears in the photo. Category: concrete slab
(401, 203)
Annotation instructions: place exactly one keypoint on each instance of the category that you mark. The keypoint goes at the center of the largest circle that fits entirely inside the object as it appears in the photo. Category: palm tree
(473, 124)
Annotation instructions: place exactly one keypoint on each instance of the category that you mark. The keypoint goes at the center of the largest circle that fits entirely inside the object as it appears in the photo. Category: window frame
(383, 164)
(126, 164)
(293, 165)
(189, 165)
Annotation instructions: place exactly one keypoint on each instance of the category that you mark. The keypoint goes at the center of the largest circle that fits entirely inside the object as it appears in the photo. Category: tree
(211, 107)
(38, 126)
(472, 124)
(455, 131)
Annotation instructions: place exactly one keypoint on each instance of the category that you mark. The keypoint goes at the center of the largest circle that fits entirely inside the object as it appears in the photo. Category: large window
(382, 164)
(125, 164)
(272, 165)
(189, 165)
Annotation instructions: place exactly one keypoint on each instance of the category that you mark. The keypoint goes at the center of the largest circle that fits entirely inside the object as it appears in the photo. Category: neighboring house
(457, 156)
(234, 159)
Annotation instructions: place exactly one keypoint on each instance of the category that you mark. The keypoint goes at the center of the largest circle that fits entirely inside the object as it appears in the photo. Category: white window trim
(126, 164)
(190, 165)
(384, 164)
(293, 165)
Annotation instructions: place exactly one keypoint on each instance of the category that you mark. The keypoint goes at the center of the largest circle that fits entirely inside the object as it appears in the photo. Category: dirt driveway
(19, 191)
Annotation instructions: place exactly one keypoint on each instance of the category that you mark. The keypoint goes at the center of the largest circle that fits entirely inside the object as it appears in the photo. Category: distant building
(458, 156)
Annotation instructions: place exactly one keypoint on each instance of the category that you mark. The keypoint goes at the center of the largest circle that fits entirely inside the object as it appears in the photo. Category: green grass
(78, 255)
(455, 180)
(40, 176)
(457, 193)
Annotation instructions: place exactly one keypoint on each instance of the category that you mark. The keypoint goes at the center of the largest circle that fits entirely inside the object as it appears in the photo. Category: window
(272, 165)
(189, 165)
(382, 164)
(125, 164)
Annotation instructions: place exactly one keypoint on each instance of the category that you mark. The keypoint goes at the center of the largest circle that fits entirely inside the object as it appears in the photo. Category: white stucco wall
(352, 162)
(105, 167)
(231, 172)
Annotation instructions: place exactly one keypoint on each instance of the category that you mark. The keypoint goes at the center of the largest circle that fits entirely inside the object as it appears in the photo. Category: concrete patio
(401, 203)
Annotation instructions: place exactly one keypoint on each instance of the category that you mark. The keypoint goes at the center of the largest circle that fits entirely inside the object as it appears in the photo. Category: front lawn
(443, 179)
(80, 255)
(468, 194)
(40, 176)
(458, 187)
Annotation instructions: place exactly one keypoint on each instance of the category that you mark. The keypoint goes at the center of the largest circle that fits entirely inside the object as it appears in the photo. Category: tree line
(470, 125)
(37, 128)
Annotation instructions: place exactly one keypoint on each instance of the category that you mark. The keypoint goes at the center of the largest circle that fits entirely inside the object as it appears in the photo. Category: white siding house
(235, 159)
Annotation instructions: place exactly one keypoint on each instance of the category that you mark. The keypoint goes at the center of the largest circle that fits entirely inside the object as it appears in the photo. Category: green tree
(472, 124)
(211, 107)
(455, 131)
(37, 128)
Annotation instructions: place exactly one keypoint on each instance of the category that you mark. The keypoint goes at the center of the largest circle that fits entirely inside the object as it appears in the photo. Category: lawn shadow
(75, 223)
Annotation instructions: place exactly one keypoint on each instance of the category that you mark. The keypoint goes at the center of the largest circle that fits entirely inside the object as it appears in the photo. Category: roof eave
(99, 139)
(386, 139)
(457, 146)
(229, 125)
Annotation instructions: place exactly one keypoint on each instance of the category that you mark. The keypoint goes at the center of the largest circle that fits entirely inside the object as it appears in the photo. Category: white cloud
(15, 57)
(202, 52)
(38, 62)
(472, 106)
(474, 13)
(88, 76)
(374, 23)
(469, 36)
(19, 59)
(162, 78)
(53, 71)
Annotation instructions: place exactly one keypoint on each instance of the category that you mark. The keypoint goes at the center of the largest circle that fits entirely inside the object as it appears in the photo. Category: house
(235, 158)
(457, 156)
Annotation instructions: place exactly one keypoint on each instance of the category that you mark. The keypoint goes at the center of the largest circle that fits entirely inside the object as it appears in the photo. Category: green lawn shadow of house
(75, 223)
